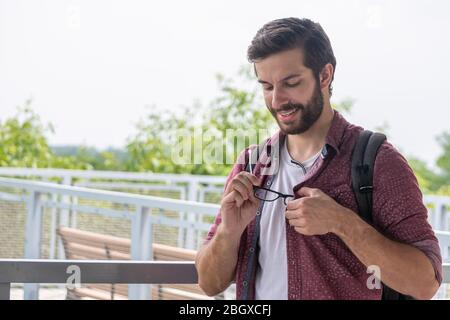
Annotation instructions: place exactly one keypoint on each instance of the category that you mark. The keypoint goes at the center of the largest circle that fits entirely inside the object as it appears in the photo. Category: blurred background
(98, 86)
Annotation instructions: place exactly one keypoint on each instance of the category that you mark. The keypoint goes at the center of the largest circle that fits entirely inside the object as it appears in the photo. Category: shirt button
(245, 283)
(258, 212)
(268, 183)
(252, 250)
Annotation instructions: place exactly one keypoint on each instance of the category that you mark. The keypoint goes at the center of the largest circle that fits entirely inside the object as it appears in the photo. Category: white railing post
(64, 216)
(437, 215)
(33, 239)
(181, 230)
(73, 214)
(141, 248)
(201, 198)
(53, 213)
(443, 216)
(191, 232)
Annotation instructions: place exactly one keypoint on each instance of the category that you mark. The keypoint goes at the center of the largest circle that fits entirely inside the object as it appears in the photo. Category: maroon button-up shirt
(323, 267)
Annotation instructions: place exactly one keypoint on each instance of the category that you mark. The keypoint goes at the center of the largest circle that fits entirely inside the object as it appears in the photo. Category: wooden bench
(79, 244)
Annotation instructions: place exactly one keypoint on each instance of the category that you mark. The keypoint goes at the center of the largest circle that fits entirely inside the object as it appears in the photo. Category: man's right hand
(239, 204)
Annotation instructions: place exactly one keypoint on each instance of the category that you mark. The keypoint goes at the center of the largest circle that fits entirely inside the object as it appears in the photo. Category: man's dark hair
(289, 33)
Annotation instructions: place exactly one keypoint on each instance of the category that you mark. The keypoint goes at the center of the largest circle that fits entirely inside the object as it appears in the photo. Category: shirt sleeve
(398, 209)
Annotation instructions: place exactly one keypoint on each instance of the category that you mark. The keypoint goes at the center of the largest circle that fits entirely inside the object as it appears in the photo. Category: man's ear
(326, 76)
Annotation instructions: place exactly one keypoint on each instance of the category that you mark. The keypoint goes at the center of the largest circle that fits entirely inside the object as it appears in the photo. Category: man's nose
(279, 98)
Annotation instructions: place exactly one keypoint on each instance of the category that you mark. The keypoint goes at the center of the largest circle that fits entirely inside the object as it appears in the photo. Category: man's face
(291, 92)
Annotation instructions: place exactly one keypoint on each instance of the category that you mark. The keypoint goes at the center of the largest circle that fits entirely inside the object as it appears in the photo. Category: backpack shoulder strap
(363, 161)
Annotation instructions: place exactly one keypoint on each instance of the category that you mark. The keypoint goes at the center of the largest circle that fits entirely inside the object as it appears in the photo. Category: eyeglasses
(265, 194)
(270, 195)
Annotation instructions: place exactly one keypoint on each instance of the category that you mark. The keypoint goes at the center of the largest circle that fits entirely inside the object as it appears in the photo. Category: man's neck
(303, 146)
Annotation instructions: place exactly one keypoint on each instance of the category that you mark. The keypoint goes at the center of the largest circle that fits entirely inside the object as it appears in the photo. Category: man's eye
(291, 85)
(267, 88)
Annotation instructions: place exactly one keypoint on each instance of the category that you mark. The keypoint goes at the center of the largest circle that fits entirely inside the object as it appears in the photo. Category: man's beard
(306, 117)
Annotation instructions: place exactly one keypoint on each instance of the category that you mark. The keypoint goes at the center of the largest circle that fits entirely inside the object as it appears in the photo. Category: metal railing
(129, 272)
(187, 187)
(110, 175)
(39, 195)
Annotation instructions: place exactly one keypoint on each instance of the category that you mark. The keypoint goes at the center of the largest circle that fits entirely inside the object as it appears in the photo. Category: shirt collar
(335, 135)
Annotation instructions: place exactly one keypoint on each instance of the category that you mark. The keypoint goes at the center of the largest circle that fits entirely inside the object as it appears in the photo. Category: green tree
(425, 176)
(23, 140)
(435, 181)
(24, 143)
(150, 149)
(443, 161)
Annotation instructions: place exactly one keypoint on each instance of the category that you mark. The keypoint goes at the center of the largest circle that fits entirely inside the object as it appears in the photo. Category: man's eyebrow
(295, 75)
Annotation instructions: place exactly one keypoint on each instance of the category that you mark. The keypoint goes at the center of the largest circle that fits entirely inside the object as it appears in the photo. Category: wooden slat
(94, 252)
(100, 245)
(120, 289)
(96, 294)
(180, 253)
(99, 286)
(95, 239)
(173, 294)
(194, 288)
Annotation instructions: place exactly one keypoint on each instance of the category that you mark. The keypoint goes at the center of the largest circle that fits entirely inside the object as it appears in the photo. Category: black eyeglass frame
(280, 195)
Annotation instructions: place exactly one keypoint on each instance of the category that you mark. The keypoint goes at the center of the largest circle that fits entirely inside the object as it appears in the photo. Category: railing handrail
(76, 272)
(436, 198)
(97, 271)
(122, 175)
(113, 196)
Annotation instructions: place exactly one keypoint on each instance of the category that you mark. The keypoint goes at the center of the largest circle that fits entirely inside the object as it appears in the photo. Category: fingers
(238, 199)
(294, 204)
(233, 197)
(296, 218)
(308, 192)
(244, 189)
(253, 179)
(294, 214)
(301, 230)
(248, 179)
(297, 223)
(243, 183)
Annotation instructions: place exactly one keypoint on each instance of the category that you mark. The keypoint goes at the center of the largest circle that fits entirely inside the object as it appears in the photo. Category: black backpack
(363, 160)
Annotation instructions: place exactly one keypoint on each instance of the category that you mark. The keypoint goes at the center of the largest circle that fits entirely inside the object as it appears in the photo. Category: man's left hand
(315, 213)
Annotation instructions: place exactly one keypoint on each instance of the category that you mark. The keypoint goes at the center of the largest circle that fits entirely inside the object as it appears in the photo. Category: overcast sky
(92, 67)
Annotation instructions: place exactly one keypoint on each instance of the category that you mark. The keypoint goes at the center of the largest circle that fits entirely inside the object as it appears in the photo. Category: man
(316, 246)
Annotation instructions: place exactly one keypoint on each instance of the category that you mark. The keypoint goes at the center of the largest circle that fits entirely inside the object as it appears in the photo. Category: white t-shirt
(271, 276)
